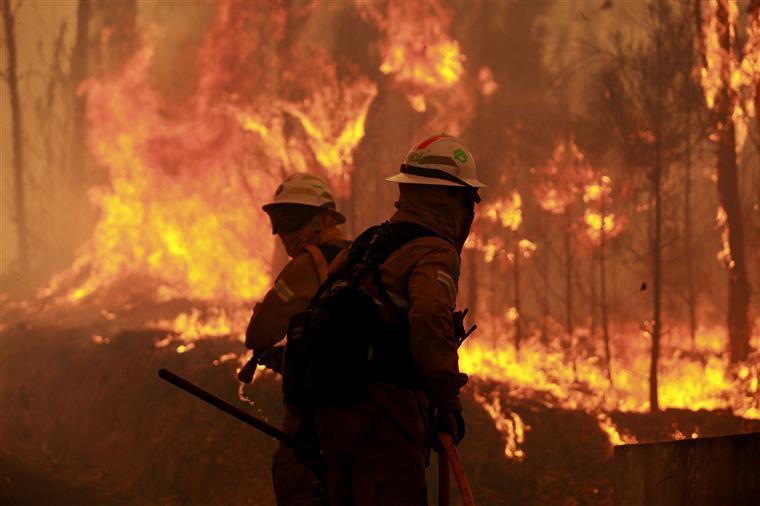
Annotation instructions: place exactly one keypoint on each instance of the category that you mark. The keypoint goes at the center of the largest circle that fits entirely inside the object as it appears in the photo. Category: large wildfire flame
(187, 182)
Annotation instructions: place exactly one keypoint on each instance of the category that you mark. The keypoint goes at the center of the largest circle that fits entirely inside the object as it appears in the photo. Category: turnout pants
(293, 483)
(371, 459)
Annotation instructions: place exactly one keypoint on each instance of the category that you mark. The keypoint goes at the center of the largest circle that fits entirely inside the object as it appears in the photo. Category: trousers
(294, 484)
(371, 460)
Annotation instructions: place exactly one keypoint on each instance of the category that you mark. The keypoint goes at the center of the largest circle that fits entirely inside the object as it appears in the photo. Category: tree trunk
(656, 238)
(545, 308)
(654, 404)
(739, 289)
(517, 300)
(18, 135)
(568, 278)
(569, 325)
(603, 289)
(691, 292)
(78, 173)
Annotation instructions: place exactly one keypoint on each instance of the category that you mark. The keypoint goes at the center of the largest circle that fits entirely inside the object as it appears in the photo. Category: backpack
(352, 333)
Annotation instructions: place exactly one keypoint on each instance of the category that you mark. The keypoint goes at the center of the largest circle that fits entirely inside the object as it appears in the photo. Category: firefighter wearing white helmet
(305, 218)
(441, 160)
(374, 448)
(308, 190)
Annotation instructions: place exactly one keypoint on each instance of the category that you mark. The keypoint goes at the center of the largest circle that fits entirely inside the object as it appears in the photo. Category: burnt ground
(87, 423)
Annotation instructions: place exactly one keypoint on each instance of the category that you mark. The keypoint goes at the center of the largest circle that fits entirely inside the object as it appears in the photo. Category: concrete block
(703, 471)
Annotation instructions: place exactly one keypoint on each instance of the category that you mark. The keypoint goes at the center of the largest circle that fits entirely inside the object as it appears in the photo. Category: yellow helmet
(440, 160)
(305, 189)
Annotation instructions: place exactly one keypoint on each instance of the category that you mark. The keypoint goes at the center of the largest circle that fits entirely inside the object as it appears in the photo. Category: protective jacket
(291, 293)
(422, 278)
(293, 289)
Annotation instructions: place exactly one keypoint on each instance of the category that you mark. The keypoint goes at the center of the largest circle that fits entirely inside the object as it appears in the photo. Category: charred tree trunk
(656, 243)
(517, 301)
(496, 301)
(569, 324)
(739, 289)
(738, 283)
(728, 193)
(594, 302)
(22, 231)
(567, 243)
(603, 290)
(691, 292)
(78, 74)
(656, 238)
(545, 308)
(77, 167)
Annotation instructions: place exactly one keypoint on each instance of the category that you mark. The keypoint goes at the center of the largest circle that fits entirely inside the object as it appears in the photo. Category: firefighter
(375, 447)
(304, 216)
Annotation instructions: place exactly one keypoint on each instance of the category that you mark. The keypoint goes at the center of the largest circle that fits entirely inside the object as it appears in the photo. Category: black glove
(271, 358)
(245, 374)
(450, 422)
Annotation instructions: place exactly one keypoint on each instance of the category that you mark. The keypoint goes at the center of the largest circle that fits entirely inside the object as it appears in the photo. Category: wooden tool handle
(456, 465)
(443, 479)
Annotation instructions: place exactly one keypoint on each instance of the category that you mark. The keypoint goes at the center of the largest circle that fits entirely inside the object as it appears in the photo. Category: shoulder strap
(330, 251)
(319, 261)
(376, 244)
(373, 247)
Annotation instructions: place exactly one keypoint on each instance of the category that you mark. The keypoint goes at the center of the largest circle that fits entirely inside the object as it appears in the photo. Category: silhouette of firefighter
(304, 216)
(373, 359)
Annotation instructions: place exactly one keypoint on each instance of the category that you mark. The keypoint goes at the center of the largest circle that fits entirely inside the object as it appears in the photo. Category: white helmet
(440, 160)
(307, 190)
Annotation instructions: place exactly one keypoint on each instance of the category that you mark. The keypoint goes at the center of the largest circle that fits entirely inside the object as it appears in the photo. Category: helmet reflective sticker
(307, 190)
(440, 160)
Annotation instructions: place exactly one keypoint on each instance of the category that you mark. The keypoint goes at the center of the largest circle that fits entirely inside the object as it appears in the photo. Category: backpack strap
(320, 262)
(376, 244)
(373, 247)
(331, 250)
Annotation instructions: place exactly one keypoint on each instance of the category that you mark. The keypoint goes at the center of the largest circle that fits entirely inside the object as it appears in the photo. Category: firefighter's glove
(245, 374)
(273, 358)
(450, 422)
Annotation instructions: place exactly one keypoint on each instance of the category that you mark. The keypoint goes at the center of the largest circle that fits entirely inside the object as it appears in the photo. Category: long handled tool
(450, 450)
(311, 453)
(443, 479)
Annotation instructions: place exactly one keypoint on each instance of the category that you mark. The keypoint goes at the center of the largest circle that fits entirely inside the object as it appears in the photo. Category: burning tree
(602, 225)
(562, 182)
(497, 238)
(724, 76)
(640, 85)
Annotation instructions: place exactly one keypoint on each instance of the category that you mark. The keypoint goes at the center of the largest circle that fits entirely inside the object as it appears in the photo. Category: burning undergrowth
(114, 430)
